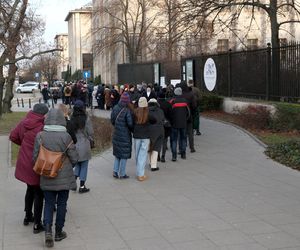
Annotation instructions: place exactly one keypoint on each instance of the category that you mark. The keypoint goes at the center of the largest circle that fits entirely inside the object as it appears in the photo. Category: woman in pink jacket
(24, 135)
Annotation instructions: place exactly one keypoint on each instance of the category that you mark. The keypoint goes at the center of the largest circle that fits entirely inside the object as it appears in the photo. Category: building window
(223, 45)
(252, 43)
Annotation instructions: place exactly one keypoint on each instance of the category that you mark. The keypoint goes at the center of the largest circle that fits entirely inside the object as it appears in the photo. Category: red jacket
(24, 135)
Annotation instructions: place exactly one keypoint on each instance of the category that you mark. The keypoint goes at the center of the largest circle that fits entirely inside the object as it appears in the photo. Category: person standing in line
(107, 98)
(141, 137)
(121, 119)
(180, 114)
(68, 94)
(24, 135)
(100, 96)
(156, 131)
(167, 109)
(81, 124)
(55, 137)
(196, 114)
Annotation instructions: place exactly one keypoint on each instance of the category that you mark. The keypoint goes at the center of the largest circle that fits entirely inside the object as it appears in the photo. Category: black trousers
(190, 135)
(34, 196)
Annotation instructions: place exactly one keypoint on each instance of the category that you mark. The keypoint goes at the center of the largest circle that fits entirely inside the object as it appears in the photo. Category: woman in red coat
(24, 135)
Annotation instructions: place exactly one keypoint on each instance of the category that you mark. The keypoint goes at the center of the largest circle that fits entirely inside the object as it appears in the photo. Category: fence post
(22, 103)
(18, 102)
(29, 103)
(268, 71)
(229, 74)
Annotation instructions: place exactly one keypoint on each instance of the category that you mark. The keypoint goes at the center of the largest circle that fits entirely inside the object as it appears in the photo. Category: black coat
(166, 107)
(156, 130)
(180, 112)
(122, 120)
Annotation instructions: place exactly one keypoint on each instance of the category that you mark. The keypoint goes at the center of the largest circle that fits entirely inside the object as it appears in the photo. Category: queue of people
(57, 130)
(151, 117)
(144, 117)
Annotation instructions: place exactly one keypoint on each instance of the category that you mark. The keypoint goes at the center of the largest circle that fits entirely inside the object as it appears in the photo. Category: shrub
(210, 102)
(255, 117)
(103, 133)
(287, 153)
(287, 117)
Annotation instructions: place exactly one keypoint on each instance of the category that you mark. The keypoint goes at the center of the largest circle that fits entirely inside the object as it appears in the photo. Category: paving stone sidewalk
(226, 196)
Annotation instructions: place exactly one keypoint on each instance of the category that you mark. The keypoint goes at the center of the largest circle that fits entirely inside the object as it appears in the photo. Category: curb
(240, 128)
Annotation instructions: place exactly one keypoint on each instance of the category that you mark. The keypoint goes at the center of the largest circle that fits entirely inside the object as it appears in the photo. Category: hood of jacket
(33, 120)
(55, 117)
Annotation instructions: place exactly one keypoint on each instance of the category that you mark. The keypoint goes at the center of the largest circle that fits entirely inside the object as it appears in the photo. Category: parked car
(28, 87)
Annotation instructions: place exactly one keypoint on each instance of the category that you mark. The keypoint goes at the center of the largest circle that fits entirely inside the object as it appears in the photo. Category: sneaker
(83, 189)
(198, 133)
(162, 159)
(27, 220)
(124, 176)
(193, 150)
(154, 169)
(173, 158)
(37, 228)
(142, 178)
(115, 175)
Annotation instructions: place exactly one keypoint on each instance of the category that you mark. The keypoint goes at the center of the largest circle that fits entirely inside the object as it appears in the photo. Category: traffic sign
(86, 74)
(36, 74)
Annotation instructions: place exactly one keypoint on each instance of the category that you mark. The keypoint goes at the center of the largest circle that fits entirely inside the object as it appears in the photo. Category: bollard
(18, 102)
(22, 103)
(52, 103)
(29, 103)
(39, 100)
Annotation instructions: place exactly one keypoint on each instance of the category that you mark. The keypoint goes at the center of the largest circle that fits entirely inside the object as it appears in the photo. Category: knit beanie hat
(79, 104)
(40, 108)
(178, 91)
(125, 98)
(153, 102)
(143, 102)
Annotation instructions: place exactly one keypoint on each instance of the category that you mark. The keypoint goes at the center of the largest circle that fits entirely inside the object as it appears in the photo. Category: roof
(83, 10)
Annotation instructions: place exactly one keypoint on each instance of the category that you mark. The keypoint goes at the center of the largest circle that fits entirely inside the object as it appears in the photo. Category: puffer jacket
(180, 112)
(121, 119)
(24, 135)
(57, 141)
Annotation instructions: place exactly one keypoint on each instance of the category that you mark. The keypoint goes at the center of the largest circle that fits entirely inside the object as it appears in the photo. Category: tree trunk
(9, 95)
(2, 81)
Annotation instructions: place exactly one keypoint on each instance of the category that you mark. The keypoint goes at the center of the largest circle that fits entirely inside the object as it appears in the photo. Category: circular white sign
(210, 74)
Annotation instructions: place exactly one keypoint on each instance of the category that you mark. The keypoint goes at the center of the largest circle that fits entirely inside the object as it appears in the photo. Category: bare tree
(18, 28)
(126, 22)
(279, 12)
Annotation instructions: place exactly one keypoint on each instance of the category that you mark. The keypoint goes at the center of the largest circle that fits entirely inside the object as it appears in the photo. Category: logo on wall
(210, 74)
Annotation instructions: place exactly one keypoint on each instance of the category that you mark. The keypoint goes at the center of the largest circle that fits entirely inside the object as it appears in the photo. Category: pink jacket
(24, 135)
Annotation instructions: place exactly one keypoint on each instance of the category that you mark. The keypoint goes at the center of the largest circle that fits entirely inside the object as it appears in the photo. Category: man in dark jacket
(100, 96)
(187, 93)
(180, 114)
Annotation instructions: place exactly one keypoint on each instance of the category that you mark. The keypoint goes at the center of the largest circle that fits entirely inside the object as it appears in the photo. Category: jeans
(181, 133)
(34, 195)
(141, 152)
(120, 166)
(81, 169)
(51, 198)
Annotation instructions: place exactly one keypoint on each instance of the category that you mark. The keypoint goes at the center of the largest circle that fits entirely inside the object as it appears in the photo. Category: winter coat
(134, 96)
(46, 94)
(83, 145)
(24, 135)
(151, 95)
(180, 112)
(166, 107)
(57, 141)
(156, 130)
(107, 97)
(121, 119)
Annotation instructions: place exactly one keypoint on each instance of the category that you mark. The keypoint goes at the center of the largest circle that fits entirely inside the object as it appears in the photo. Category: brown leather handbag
(48, 162)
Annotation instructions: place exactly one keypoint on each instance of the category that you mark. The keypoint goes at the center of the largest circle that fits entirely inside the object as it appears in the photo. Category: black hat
(40, 108)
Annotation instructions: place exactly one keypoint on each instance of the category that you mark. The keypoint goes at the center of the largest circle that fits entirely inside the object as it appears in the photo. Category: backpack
(68, 90)
(48, 162)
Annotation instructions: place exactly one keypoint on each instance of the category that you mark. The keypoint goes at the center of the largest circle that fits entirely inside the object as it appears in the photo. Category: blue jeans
(120, 166)
(141, 153)
(181, 132)
(51, 198)
(81, 169)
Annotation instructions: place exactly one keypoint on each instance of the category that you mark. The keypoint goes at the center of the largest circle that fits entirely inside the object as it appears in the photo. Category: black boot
(162, 159)
(48, 236)
(28, 218)
(59, 234)
(37, 228)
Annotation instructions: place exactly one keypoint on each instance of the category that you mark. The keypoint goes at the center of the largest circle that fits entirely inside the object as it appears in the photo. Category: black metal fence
(150, 72)
(271, 74)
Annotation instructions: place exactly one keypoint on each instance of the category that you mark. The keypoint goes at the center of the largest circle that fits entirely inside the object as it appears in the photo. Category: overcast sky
(54, 13)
